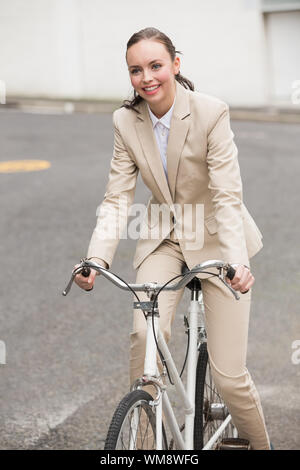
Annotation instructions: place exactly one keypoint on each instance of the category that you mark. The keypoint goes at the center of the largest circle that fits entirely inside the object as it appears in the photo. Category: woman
(181, 142)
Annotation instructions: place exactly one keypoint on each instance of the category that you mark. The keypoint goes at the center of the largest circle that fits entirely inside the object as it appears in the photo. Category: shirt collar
(165, 119)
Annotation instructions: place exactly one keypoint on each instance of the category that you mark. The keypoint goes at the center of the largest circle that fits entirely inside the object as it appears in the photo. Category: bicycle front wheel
(210, 409)
(133, 426)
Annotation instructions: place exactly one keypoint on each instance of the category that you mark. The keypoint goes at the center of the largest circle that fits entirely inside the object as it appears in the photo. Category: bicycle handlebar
(86, 265)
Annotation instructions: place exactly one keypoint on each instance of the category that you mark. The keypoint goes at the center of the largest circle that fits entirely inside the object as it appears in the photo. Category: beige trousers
(227, 321)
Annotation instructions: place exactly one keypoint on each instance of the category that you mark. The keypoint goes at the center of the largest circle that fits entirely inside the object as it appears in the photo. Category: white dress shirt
(161, 129)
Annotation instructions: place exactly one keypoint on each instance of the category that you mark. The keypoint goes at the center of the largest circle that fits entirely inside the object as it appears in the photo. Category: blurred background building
(246, 52)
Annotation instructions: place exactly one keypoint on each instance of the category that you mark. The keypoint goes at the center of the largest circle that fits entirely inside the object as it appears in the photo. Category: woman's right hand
(87, 283)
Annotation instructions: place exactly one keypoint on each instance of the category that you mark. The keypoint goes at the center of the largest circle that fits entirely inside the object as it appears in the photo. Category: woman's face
(150, 65)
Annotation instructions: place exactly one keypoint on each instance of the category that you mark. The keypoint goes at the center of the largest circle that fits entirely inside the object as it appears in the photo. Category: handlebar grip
(86, 271)
(230, 273)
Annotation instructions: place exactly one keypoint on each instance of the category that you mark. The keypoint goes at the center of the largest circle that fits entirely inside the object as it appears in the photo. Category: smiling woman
(15, 166)
(153, 79)
(153, 64)
(181, 142)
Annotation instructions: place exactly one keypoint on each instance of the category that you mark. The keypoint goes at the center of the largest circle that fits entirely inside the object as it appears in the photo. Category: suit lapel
(177, 135)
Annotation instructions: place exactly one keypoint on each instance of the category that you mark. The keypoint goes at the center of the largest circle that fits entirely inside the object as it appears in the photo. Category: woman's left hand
(243, 279)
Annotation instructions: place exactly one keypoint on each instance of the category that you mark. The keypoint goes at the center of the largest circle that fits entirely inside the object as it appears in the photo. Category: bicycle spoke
(140, 428)
(211, 400)
(137, 431)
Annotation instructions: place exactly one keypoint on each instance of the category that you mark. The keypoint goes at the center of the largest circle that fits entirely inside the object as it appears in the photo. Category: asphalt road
(67, 357)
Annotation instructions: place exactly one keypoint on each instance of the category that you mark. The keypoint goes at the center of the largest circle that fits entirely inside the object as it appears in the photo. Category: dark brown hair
(155, 35)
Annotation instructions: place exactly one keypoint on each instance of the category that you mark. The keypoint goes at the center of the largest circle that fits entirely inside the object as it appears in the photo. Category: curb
(274, 114)
(43, 106)
(60, 106)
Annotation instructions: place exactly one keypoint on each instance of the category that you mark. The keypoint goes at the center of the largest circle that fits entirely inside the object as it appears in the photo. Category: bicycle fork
(151, 374)
(151, 371)
(194, 312)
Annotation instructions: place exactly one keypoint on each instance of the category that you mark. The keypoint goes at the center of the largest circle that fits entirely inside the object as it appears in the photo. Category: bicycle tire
(118, 438)
(203, 419)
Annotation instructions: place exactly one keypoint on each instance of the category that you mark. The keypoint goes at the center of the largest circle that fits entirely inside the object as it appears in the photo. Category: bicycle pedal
(231, 443)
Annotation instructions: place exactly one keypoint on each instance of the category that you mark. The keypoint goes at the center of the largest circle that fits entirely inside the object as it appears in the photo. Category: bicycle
(138, 419)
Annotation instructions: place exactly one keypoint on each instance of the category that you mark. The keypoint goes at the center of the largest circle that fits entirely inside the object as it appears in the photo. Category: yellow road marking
(14, 166)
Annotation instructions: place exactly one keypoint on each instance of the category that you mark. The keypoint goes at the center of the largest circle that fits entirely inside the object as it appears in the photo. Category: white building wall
(283, 35)
(221, 46)
(76, 48)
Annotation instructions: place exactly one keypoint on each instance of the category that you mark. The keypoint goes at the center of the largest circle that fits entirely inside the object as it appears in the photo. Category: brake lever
(74, 272)
(230, 288)
(221, 277)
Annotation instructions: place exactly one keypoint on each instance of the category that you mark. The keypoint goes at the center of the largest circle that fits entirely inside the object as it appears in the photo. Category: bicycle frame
(187, 395)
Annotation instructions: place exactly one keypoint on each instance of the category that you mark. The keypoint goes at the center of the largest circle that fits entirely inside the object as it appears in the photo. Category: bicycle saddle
(195, 283)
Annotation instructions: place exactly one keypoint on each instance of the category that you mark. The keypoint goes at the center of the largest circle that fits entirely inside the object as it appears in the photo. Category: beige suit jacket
(203, 172)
